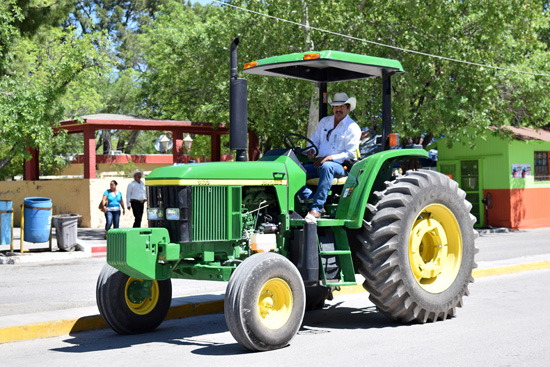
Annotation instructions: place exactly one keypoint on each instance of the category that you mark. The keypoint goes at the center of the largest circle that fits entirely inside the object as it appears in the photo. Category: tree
(33, 82)
(118, 91)
(187, 62)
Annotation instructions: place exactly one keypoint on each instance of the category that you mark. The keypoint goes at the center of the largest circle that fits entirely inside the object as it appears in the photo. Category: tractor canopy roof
(324, 66)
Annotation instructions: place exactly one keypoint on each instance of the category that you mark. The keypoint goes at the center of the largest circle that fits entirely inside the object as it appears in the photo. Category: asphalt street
(63, 288)
(504, 322)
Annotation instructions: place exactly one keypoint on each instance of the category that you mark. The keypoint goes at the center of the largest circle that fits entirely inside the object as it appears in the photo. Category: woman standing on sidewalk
(112, 201)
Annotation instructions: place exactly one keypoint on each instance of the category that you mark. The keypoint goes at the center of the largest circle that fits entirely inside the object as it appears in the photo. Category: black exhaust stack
(386, 109)
(238, 129)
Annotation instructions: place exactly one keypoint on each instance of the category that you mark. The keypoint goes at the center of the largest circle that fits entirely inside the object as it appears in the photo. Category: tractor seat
(335, 181)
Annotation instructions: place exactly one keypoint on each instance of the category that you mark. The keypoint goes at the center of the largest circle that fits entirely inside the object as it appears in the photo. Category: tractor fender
(367, 176)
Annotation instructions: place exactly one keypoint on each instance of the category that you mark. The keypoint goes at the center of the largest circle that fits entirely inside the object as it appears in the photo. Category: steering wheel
(289, 144)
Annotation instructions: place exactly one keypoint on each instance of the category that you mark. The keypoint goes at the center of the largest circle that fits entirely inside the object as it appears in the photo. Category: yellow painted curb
(476, 273)
(195, 309)
(510, 269)
(50, 328)
(65, 327)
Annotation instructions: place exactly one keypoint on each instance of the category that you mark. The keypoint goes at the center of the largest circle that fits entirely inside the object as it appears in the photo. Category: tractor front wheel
(264, 302)
(418, 253)
(129, 305)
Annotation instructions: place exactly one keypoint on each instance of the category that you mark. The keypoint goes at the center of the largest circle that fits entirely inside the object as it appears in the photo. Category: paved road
(54, 286)
(504, 322)
(513, 245)
(66, 285)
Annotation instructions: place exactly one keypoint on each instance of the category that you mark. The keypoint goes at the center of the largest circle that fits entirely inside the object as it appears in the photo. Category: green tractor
(411, 237)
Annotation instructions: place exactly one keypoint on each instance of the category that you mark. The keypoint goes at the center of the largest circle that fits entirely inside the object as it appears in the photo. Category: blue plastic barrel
(38, 219)
(6, 212)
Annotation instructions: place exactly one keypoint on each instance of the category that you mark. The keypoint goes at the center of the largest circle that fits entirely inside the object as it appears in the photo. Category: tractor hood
(219, 173)
(281, 171)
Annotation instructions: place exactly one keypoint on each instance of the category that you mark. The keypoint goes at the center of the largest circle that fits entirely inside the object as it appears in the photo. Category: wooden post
(215, 148)
(89, 153)
(177, 146)
(32, 169)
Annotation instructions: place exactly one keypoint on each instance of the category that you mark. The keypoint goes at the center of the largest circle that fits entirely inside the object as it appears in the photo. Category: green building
(510, 172)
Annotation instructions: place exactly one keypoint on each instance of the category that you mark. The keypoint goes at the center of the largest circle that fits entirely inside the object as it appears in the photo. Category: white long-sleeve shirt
(343, 141)
(136, 191)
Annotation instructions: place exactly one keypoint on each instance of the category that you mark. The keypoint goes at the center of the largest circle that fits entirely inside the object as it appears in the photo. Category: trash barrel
(38, 219)
(66, 230)
(6, 213)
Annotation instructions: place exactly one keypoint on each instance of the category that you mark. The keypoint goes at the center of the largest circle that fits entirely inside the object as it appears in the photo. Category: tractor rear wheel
(127, 305)
(418, 251)
(264, 302)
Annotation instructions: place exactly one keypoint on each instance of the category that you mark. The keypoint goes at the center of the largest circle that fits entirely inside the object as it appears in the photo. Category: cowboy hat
(342, 98)
(136, 171)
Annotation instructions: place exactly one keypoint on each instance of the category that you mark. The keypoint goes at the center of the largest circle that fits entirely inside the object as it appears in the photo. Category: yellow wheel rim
(275, 303)
(435, 248)
(138, 304)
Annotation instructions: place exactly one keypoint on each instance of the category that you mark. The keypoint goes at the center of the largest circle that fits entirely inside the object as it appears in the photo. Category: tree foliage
(172, 61)
(188, 62)
(38, 68)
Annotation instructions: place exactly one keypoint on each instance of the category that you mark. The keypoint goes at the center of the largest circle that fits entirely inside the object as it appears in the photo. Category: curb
(67, 327)
(98, 251)
(40, 256)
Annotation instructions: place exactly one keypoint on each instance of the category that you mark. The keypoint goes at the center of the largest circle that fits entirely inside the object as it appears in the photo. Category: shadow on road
(193, 331)
(335, 316)
(200, 332)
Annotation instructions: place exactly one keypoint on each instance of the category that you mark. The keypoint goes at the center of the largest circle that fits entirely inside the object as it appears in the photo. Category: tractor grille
(204, 212)
(209, 219)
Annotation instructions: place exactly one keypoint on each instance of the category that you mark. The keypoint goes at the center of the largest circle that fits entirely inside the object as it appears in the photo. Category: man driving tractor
(337, 138)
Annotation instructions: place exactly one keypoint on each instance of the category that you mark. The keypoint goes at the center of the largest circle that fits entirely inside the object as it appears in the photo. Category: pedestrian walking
(136, 196)
(112, 202)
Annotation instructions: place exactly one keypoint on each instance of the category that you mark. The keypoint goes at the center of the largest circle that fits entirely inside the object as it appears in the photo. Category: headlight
(172, 214)
(155, 213)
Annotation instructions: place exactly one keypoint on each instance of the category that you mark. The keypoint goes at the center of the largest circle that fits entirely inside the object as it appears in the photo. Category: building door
(470, 182)
(466, 173)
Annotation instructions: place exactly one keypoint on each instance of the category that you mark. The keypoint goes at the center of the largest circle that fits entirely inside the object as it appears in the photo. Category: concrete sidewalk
(90, 239)
(55, 323)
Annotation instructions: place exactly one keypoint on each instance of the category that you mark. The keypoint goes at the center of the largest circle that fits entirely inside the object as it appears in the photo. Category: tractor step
(340, 284)
(336, 252)
(336, 260)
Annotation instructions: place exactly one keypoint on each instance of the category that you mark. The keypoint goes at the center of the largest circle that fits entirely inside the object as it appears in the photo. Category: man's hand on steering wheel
(307, 151)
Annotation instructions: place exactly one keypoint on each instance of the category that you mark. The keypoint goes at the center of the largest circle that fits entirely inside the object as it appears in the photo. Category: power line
(382, 44)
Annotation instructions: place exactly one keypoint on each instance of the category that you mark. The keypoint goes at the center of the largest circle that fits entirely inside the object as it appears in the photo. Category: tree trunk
(120, 144)
(131, 142)
(313, 120)
(313, 113)
(107, 146)
(6, 160)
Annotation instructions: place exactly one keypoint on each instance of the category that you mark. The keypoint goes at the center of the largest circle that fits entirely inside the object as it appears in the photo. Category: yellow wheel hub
(136, 302)
(275, 303)
(435, 248)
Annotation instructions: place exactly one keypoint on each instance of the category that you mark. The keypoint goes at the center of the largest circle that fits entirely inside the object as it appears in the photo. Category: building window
(541, 166)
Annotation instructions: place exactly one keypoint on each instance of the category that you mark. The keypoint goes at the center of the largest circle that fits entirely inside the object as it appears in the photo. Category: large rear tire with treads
(418, 248)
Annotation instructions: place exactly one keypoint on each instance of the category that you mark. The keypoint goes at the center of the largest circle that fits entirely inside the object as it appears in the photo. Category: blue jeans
(112, 218)
(326, 173)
